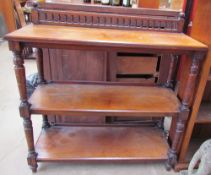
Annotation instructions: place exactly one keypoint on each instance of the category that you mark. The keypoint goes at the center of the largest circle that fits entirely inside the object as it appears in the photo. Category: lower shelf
(76, 143)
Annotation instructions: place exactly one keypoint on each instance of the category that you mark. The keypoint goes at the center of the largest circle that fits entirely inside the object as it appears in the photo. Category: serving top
(105, 37)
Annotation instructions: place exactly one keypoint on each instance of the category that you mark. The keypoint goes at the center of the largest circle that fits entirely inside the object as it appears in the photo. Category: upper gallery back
(105, 37)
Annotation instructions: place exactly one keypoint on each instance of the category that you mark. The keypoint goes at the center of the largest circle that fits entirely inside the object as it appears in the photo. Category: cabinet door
(70, 65)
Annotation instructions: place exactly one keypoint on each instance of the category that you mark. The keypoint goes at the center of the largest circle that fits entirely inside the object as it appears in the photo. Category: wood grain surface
(101, 143)
(105, 37)
(113, 100)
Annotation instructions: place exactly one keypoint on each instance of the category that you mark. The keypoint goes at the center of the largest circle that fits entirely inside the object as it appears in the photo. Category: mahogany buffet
(69, 25)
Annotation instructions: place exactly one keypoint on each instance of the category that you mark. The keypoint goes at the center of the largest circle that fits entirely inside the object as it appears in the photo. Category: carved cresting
(184, 110)
(25, 109)
(106, 20)
(94, 17)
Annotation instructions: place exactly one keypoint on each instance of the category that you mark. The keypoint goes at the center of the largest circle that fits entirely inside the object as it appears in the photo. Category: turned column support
(172, 71)
(180, 128)
(184, 110)
(19, 68)
(20, 75)
(39, 60)
(24, 109)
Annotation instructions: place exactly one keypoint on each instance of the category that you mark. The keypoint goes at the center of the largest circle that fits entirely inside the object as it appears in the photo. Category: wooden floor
(113, 100)
(101, 143)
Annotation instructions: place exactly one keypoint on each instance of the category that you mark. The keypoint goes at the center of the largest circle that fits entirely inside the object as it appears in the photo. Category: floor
(13, 150)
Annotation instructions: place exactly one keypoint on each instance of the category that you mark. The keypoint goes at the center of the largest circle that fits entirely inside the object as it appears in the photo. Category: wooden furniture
(198, 128)
(77, 13)
(69, 65)
(103, 98)
(6, 7)
(18, 11)
(21, 22)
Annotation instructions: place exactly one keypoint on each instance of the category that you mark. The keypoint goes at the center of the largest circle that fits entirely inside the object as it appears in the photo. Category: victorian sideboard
(105, 37)
(68, 65)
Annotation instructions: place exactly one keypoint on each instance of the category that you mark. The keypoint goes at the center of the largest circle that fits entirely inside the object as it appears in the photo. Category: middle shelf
(103, 99)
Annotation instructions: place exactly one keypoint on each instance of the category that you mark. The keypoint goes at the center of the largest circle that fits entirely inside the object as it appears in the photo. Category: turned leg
(39, 59)
(32, 155)
(184, 111)
(180, 128)
(25, 109)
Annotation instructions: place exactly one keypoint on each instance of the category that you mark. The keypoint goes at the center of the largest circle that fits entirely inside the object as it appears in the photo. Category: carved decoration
(106, 20)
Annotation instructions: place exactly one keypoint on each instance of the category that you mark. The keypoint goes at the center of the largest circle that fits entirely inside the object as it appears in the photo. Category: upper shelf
(103, 99)
(106, 38)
